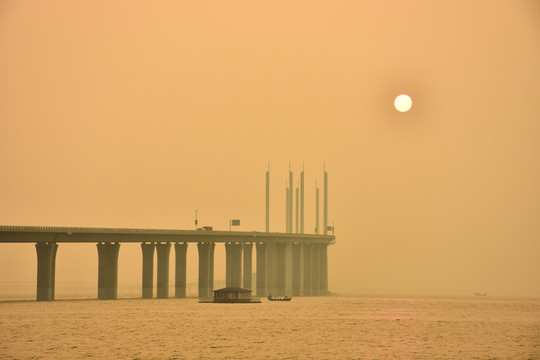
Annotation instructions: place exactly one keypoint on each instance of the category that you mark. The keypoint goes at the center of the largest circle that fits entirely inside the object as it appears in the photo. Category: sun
(403, 103)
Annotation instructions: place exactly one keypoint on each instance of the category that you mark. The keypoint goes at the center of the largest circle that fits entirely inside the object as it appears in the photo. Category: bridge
(286, 263)
(290, 263)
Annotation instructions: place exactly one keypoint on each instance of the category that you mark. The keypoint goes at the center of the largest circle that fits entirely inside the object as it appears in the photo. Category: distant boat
(480, 294)
(279, 298)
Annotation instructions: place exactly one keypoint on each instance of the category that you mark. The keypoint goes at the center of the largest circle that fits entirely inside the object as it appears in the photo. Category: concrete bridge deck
(35, 234)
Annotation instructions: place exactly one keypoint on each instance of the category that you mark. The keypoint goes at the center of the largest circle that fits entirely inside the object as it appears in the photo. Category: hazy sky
(136, 113)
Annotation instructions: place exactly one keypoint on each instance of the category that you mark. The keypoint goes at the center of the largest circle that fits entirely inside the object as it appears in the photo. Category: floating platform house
(231, 295)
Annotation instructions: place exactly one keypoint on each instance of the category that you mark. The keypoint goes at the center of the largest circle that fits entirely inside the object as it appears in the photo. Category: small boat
(279, 298)
(480, 294)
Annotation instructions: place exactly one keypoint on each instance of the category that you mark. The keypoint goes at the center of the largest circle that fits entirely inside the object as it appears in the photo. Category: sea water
(306, 328)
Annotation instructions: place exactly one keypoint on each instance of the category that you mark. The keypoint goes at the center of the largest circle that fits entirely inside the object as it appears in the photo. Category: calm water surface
(305, 328)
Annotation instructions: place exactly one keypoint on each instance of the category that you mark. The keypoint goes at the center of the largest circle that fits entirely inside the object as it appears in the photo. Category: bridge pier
(148, 270)
(248, 266)
(261, 268)
(281, 270)
(271, 269)
(233, 270)
(297, 270)
(46, 264)
(288, 268)
(108, 270)
(284, 269)
(211, 269)
(315, 270)
(324, 269)
(307, 269)
(206, 268)
(163, 255)
(228, 265)
(180, 251)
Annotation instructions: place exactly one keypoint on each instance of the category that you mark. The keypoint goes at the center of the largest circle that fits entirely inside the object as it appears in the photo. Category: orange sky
(131, 114)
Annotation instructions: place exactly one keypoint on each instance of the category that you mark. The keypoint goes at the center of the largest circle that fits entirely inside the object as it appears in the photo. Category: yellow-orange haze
(134, 114)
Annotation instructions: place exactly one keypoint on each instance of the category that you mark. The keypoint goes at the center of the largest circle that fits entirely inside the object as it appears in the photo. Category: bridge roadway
(287, 263)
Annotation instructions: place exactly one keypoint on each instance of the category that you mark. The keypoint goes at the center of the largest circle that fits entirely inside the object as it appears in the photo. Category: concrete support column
(297, 270)
(46, 264)
(180, 251)
(324, 269)
(204, 269)
(163, 255)
(288, 269)
(211, 269)
(307, 269)
(248, 266)
(108, 270)
(53, 272)
(271, 269)
(280, 269)
(233, 271)
(261, 268)
(148, 270)
(315, 269)
(228, 265)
